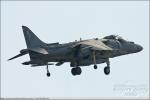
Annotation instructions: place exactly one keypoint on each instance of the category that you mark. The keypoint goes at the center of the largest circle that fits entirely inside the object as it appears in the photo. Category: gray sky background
(64, 21)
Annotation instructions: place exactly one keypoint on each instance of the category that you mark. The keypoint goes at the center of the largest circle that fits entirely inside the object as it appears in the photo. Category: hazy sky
(64, 21)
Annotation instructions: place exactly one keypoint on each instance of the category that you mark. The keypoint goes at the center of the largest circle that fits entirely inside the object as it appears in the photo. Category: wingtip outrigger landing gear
(95, 66)
(94, 59)
(48, 73)
(107, 68)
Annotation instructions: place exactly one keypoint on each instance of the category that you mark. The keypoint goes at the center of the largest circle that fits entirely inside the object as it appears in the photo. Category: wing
(95, 45)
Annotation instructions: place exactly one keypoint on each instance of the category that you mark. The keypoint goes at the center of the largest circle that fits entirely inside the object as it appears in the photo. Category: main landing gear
(76, 71)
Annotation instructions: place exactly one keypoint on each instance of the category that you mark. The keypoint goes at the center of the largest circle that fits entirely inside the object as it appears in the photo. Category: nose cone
(138, 48)
(131, 47)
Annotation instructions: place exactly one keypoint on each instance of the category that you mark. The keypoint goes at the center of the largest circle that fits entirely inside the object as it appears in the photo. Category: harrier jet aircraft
(78, 53)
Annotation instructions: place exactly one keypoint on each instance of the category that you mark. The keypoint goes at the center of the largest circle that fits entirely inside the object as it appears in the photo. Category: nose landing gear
(107, 68)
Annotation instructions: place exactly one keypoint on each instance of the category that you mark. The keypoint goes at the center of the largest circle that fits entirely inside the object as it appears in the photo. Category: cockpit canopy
(115, 37)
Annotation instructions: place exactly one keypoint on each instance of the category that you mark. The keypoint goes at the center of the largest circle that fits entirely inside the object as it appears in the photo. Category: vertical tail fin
(31, 39)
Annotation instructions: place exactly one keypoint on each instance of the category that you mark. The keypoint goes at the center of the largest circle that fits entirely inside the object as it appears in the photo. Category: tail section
(31, 39)
(34, 46)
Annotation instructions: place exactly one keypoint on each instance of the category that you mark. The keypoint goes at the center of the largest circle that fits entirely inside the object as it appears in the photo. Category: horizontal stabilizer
(16, 56)
(22, 52)
(26, 51)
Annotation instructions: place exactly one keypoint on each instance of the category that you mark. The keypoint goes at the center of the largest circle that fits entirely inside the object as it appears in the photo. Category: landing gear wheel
(95, 66)
(48, 74)
(76, 71)
(73, 71)
(107, 70)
